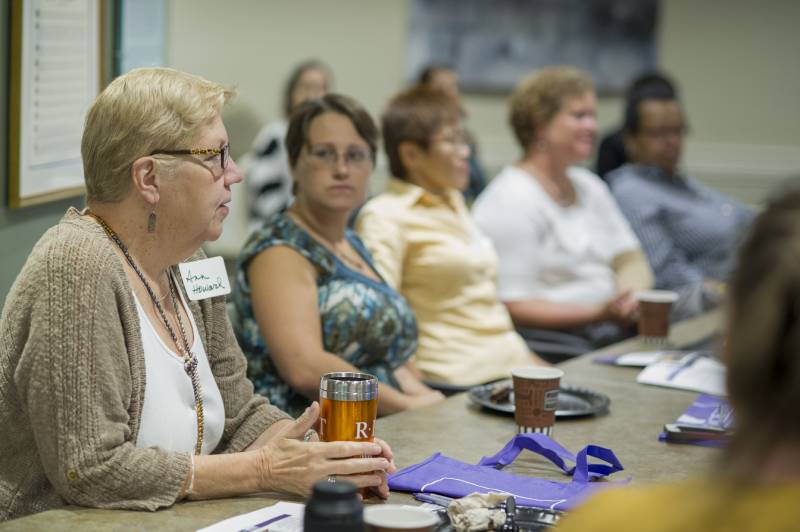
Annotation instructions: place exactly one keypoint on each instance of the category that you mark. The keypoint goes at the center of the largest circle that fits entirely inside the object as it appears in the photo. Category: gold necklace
(163, 296)
(353, 263)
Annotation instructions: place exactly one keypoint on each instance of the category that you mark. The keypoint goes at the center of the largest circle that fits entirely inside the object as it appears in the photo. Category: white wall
(254, 44)
(736, 62)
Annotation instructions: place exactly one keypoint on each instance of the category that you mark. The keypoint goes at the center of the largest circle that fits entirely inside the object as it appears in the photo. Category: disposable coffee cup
(654, 311)
(536, 398)
(399, 518)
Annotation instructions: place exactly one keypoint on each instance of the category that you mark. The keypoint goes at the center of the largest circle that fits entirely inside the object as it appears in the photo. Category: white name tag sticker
(205, 278)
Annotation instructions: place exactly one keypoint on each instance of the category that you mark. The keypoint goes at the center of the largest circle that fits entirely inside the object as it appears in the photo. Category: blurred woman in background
(444, 78)
(267, 177)
(568, 258)
(426, 246)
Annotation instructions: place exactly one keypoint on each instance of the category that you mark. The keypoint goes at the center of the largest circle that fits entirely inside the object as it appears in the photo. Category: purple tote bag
(453, 478)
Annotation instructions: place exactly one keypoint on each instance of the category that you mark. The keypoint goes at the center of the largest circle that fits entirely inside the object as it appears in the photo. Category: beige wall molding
(749, 172)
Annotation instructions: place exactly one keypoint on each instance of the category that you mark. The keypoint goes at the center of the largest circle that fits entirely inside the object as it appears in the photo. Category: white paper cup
(398, 518)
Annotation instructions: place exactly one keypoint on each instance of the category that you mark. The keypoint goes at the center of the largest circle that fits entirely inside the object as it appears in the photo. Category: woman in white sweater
(567, 258)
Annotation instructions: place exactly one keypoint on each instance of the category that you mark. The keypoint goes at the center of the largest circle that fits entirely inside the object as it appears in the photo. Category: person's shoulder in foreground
(698, 505)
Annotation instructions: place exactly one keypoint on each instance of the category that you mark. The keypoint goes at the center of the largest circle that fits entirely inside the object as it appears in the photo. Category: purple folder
(446, 476)
(707, 411)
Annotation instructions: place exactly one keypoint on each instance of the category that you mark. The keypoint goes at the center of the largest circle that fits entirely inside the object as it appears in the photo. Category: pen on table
(261, 525)
(433, 498)
(686, 363)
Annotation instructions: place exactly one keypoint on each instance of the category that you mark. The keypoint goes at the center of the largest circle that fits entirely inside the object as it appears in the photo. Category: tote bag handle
(542, 445)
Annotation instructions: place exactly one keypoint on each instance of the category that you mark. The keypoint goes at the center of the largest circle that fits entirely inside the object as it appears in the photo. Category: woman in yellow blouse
(426, 246)
(758, 485)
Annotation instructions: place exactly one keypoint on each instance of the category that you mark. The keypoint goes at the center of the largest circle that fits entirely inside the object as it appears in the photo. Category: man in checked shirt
(688, 231)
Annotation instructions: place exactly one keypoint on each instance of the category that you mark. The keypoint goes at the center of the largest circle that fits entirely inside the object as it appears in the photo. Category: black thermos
(334, 507)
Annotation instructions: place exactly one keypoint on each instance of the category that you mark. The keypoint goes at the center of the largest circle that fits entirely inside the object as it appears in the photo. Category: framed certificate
(55, 74)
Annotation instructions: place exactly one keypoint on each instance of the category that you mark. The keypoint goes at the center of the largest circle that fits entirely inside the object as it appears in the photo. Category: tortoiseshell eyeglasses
(224, 153)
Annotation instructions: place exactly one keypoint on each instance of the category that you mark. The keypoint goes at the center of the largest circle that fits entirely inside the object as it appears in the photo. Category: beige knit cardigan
(72, 381)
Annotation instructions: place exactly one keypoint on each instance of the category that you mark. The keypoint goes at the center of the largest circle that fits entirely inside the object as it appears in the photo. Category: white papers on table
(641, 359)
(696, 372)
(281, 517)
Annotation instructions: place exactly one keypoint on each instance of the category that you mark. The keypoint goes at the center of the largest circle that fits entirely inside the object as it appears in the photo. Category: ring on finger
(332, 479)
(310, 433)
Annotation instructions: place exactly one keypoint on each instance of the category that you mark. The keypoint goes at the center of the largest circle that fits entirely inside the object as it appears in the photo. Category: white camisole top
(168, 414)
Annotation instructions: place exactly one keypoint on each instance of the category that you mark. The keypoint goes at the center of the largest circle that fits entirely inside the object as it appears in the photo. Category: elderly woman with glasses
(118, 390)
(426, 246)
(308, 298)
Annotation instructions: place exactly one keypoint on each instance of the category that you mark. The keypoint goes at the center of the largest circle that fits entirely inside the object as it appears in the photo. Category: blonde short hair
(538, 98)
(145, 110)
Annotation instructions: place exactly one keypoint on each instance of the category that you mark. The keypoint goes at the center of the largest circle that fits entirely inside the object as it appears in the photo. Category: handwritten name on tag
(205, 278)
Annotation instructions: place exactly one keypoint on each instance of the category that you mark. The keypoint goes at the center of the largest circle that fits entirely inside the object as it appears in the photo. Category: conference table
(460, 429)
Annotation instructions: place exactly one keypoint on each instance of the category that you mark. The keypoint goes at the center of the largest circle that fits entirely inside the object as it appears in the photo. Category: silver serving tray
(573, 401)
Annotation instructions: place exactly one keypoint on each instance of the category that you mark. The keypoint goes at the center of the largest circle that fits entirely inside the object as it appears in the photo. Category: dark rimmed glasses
(224, 153)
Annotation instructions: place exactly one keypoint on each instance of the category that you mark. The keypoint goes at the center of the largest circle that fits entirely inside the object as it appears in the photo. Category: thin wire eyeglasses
(456, 138)
(224, 153)
(327, 155)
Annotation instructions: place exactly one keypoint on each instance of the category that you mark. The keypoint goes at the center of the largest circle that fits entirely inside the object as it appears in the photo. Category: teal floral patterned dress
(364, 321)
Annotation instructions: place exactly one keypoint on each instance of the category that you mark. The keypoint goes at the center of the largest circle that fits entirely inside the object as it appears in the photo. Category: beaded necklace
(189, 358)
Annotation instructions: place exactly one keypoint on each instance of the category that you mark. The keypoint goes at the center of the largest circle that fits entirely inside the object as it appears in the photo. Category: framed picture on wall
(55, 74)
(140, 34)
(493, 44)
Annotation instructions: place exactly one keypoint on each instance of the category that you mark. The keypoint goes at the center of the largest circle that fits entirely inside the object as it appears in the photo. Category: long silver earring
(151, 222)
